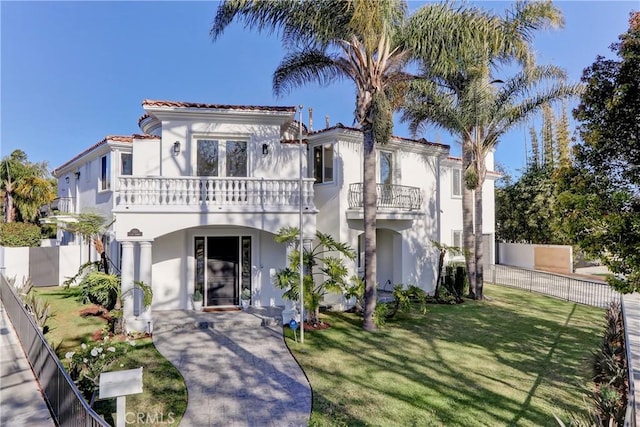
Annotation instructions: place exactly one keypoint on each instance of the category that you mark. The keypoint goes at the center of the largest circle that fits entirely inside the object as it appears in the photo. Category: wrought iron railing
(68, 407)
(588, 292)
(389, 196)
(255, 193)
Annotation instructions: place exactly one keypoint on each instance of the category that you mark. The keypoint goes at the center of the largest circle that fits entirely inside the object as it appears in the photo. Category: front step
(227, 320)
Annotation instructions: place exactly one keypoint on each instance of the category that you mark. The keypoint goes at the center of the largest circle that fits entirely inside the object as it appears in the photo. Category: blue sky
(73, 72)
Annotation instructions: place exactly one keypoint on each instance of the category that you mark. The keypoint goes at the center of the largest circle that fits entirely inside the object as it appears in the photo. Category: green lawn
(515, 359)
(165, 394)
(67, 329)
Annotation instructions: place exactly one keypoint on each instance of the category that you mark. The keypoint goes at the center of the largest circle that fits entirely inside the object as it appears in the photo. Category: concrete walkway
(21, 400)
(237, 368)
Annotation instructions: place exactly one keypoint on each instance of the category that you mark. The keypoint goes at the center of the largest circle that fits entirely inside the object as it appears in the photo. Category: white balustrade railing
(257, 193)
(64, 204)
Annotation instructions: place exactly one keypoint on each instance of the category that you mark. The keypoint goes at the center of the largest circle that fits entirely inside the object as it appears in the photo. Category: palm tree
(478, 108)
(32, 193)
(368, 42)
(17, 174)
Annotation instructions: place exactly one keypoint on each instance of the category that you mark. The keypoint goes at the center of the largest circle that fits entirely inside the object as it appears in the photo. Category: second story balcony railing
(389, 196)
(62, 204)
(257, 194)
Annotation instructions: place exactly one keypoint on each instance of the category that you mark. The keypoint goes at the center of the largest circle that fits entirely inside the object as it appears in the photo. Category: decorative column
(145, 276)
(127, 278)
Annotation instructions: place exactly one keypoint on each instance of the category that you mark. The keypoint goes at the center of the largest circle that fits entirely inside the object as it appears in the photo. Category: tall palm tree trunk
(369, 199)
(479, 255)
(9, 212)
(467, 218)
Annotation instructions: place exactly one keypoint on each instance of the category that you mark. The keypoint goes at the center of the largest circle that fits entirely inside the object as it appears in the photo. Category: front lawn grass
(516, 359)
(164, 399)
(67, 329)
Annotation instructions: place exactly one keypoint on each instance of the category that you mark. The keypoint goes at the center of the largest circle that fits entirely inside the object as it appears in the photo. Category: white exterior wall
(146, 157)
(272, 256)
(281, 162)
(450, 205)
(404, 253)
(173, 273)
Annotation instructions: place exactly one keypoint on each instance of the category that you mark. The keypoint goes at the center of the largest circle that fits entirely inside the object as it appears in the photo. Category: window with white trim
(105, 173)
(126, 164)
(385, 168)
(456, 238)
(323, 163)
(221, 158)
(360, 258)
(456, 182)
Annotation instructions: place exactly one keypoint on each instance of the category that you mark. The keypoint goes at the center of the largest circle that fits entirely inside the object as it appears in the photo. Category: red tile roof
(115, 138)
(179, 104)
(419, 141)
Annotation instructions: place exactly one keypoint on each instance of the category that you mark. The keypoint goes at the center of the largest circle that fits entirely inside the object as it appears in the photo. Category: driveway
(237, 368)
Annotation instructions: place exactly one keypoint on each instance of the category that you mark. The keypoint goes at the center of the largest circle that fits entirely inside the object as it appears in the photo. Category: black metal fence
(67, 405)
(589, 292)
(388, 196)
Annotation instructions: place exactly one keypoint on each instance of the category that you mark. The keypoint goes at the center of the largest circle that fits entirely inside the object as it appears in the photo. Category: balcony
(389, 197)
(61, 205)
(184, 194)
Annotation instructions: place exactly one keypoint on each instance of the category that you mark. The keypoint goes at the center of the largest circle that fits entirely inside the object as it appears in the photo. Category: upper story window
(105, 173)
(323, 163)
(126, 164)
(385, 168)
(456, 183)
(456, 238)
(221, 158)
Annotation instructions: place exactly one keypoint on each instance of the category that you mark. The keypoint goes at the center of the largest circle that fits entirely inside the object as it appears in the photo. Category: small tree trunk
(369, 199)
(443, 252)
(9, 212)
(467, 219)
(479, 260)
(118, 323)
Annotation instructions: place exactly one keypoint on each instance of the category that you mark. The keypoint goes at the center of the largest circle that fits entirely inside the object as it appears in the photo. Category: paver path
(21, 400)
(238, 372)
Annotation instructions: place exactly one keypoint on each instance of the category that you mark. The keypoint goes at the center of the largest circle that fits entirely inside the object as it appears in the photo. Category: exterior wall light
(176, 148)
(265, 149)
(66, 179)
(77, 175)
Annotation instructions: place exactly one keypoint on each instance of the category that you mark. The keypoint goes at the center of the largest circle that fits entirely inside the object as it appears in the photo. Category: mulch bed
(316, 326)
(95, 311)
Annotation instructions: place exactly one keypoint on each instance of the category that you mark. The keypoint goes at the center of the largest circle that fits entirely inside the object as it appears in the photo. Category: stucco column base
(139, 324)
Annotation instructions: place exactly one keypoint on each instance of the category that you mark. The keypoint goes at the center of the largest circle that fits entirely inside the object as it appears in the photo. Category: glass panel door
(207, 157)
(236, 158)
(222, 271)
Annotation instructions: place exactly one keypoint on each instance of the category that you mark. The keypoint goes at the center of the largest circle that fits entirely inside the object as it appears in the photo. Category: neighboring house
(198, 197)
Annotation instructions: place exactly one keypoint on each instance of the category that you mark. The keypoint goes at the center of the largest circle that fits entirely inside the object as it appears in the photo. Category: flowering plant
(246, 294)
(87, 363)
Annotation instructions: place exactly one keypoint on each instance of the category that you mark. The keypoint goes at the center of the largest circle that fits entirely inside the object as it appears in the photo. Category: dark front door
(222, 271)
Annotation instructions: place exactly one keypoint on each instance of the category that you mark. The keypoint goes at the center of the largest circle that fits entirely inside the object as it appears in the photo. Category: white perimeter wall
(516, 254)
(15, 262)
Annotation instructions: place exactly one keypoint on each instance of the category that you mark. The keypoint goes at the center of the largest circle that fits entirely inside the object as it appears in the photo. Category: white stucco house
(198, 196)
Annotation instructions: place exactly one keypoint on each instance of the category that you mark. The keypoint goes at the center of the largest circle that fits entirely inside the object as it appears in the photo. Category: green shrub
(90, 360)
(100, 288)
(40, 309)
(380, 314)
(610, 371)
(461, 283)
(19, 234)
